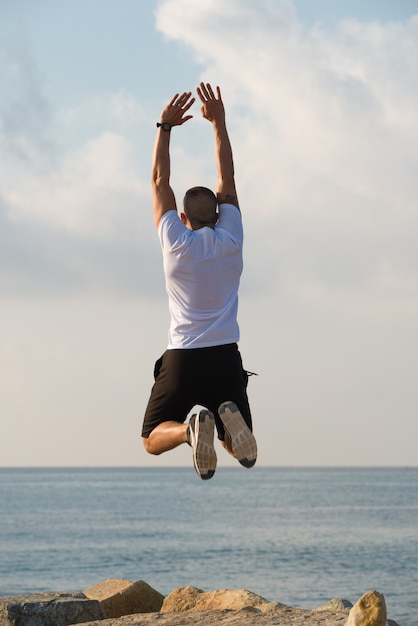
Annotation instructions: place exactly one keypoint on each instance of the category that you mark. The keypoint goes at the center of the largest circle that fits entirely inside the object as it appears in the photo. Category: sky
(322, 110)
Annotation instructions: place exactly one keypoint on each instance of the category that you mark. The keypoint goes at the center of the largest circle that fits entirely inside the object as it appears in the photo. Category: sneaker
(242, 441)
(201, 433)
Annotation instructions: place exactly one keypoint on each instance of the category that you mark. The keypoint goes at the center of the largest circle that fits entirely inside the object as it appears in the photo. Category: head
(199, 208)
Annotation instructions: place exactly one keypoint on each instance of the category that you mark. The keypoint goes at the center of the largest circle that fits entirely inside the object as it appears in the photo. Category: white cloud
(322, 126)
(118, 112)
(75, 202)
(79, 223)
(88, 193)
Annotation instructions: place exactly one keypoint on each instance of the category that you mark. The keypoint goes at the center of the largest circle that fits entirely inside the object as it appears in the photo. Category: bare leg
(165, 436)
(228, 445)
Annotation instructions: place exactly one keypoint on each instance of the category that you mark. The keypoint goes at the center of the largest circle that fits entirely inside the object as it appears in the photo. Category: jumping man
(202, 253)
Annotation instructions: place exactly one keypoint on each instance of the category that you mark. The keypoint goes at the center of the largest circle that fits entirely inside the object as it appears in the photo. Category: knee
(149, 447)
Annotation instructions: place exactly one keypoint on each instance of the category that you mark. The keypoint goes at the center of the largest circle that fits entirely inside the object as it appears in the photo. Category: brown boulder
(181, 599)
(122, 597)
(193, 599)
(369, 610)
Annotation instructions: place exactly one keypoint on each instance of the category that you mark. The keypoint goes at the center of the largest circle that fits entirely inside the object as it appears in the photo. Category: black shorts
(205, 376)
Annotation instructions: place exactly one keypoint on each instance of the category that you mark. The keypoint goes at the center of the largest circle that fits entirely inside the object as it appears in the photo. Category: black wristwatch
(165, 126)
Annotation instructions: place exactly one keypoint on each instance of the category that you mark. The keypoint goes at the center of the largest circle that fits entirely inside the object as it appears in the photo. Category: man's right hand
(212, 107)
(213, 110)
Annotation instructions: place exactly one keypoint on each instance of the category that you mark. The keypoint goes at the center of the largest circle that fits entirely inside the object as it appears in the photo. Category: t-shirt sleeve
(171, 230)
(230, 220)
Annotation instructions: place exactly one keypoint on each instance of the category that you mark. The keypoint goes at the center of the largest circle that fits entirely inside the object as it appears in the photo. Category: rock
(48, 609)
(185, 606)
(181, 599)
(369, 610)
(245, 617)
(336, 604)
(193, 599)
(122, 597)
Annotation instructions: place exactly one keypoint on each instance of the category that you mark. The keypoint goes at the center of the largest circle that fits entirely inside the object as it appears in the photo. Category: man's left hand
(174, 112)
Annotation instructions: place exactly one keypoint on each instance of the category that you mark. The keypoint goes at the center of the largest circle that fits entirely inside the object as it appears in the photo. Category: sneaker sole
(204, 455)
(243, 443)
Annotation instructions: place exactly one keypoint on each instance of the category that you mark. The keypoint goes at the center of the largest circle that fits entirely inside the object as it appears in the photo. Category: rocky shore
(116, 602)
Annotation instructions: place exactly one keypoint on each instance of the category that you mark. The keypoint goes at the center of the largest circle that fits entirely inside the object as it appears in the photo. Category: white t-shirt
(202, 270)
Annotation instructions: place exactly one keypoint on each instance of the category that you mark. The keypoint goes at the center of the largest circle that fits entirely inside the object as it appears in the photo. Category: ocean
(299, 536)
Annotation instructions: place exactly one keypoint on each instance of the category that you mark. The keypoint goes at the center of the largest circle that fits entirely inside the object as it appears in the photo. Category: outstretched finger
(200, 94)
(203, 92)
(185, 96)
(210, 91)
(180, 100)
(187, 106)
(173, 99)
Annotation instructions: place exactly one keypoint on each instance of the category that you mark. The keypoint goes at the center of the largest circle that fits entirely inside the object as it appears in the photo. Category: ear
(183, 218)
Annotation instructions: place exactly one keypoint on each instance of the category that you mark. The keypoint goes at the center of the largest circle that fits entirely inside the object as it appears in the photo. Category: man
(202, 252)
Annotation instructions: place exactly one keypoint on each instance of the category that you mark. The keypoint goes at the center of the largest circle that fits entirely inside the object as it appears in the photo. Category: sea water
(296, 536)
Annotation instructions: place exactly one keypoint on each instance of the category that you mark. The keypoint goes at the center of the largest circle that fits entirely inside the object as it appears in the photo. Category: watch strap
(164, 125)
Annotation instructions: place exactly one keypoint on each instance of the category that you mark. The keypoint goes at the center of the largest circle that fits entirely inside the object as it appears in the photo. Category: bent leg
(227, 444)
(239, 439)
(165, 436)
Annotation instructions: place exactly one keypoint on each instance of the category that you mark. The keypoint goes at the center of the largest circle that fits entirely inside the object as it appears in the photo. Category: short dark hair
(200, 206)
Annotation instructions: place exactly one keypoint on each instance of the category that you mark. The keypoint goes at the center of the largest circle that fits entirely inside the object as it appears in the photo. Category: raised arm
(172, 115)
(213, 110)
